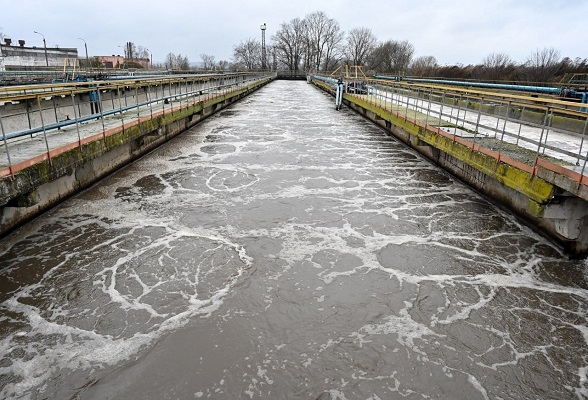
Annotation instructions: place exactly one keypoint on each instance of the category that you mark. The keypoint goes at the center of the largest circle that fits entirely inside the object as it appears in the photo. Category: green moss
(535, 209)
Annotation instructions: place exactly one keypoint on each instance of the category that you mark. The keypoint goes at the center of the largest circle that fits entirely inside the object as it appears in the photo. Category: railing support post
(6, 147)
(73, 102)
(582, 142)
(120, 108)
(44, 130)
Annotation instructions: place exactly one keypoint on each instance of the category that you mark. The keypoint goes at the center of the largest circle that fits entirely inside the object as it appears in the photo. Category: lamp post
(44, 47)
(86, 47)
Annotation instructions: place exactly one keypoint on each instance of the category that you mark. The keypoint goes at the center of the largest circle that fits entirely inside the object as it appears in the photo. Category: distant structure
(21, 57)
(118, 61)
(18, 57)
(113, 61)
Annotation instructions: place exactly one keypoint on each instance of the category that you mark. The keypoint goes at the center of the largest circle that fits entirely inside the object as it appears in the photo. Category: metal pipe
(526, 88)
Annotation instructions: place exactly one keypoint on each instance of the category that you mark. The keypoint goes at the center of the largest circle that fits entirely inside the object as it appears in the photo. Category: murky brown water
(284, 250)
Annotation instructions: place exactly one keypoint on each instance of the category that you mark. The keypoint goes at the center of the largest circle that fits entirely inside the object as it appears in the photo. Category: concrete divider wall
(552, 202)
(46, 182)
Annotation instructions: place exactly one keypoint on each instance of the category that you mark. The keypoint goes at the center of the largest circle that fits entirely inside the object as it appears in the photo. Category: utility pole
(44, 47)
(263, 58)
(86, 46)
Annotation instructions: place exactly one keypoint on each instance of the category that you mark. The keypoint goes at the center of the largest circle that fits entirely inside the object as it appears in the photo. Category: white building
(13, 57)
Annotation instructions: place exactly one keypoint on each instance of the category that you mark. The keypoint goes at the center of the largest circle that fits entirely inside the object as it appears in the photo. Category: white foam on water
(475, 383)
(74, 348)
(402, 325)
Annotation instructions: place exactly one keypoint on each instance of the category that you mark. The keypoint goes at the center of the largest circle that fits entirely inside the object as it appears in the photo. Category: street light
(86, 46)
(44, 46)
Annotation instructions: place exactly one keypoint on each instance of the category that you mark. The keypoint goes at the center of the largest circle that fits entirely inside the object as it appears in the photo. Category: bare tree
(378, 56)
(141, 52)
(391, 56)
(323, 35)
(288, 43)
(334, 51)
(183, 62)
(495, 65)
(132, 51)
(2, 35)
(208, 62)
(360, 43)
(248, 54)
(173, 61)
(170, 61)
(401, 56)
(542, 64)
(223, 65)
(423, 66)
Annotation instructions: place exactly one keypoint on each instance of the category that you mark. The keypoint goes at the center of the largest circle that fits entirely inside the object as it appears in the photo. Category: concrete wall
(19, 57)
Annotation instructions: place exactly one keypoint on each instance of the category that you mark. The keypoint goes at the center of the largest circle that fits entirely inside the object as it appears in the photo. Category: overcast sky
(453, 31)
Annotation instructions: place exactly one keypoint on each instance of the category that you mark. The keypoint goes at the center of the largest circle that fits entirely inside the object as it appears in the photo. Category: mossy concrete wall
(33, 190)
(550, 201)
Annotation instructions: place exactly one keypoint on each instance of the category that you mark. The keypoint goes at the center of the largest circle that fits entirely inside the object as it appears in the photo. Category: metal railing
(524, 127)
(61, 114)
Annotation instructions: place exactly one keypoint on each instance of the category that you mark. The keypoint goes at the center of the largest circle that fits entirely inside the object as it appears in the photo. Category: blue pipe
(540, 89)
(68, 122)
(325, 79)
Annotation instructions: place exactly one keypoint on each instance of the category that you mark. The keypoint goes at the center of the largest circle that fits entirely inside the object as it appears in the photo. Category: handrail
(30, 92)
(546, 128)
(64, 123)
